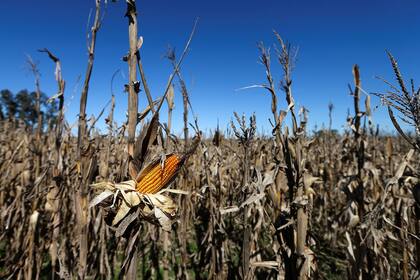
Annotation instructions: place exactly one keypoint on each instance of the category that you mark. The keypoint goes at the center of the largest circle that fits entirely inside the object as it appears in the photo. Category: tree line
(21, 106)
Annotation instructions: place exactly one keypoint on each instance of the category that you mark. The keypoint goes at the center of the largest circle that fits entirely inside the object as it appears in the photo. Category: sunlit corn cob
(159, 176)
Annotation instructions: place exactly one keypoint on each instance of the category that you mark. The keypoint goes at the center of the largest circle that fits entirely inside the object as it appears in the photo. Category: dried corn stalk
(145, 191)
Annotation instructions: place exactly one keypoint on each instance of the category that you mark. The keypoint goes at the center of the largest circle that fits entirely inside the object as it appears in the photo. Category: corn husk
(155, 208)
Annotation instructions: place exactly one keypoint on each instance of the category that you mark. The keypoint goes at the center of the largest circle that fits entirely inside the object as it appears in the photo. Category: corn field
(134, 201)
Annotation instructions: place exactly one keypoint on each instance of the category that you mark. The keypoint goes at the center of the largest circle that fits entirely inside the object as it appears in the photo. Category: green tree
(8, 101)
(23, 106)
(1, 112)
(49, 109)
(26, 107)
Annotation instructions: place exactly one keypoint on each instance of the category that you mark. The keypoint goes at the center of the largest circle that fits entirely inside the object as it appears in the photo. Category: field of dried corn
(133, 201)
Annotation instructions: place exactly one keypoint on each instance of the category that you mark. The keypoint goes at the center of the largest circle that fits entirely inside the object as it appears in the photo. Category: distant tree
(328, 133)
(23, 106)
(49, 110)
(8, 101)
(1, 112)
(26, 107)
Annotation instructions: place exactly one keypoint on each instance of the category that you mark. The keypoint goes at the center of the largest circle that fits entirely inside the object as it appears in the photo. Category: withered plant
(229, 204)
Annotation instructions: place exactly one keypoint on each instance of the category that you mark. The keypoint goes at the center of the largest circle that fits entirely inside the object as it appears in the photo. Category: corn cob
(159, 177)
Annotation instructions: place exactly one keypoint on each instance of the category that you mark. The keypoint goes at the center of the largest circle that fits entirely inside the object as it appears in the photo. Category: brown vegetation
(234, 205)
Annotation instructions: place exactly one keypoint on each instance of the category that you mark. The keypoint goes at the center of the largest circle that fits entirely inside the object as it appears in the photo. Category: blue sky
(331, 36)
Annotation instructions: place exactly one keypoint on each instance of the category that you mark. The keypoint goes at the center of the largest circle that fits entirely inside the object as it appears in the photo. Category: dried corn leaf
(125, 223)
(162, 202)
(121, 213)
(100, 197)
(266, 264)
(252, 199)
(309, 180)
(164, 220)
(231, 209)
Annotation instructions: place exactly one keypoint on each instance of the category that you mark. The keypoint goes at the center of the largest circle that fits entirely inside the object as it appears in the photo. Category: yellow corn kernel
(158, 177)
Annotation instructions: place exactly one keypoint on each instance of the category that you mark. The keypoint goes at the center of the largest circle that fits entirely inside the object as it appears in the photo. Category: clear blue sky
(331, 36)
